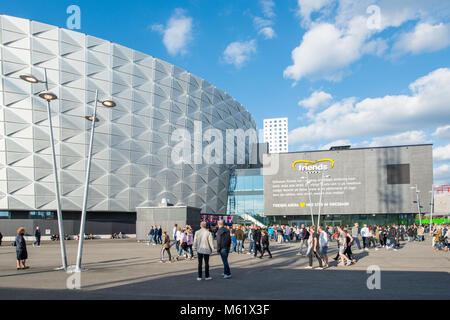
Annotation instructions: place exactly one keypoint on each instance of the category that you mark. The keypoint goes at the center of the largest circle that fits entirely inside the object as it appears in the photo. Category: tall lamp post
(320, 199)
(48, 96)
(431, 213)
(93, 118)
(418, 203)
(309, 194)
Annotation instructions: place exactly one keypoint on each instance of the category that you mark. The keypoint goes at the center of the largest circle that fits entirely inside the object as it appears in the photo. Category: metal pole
(418, 206)
(431, 213)
(320, 201)
(55, 172)
(309, 194)
(86, 187)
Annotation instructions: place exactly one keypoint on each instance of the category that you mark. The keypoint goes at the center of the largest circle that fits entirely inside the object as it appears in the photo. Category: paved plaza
(125, 269)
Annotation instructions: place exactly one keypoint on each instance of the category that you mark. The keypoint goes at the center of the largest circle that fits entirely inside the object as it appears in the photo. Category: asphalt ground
(125, 269)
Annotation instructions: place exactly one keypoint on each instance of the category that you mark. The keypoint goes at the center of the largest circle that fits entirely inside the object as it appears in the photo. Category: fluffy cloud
(404, 138)
(425, 107)
(332, 26)
(442, 132)
(326, 49)
(442, 174)
(424, 38)
(307, 7)
(267, 32)
(267, 7)
(264, 27)
(177, 33)
(441, 153)
(316, 100)
(237, 53)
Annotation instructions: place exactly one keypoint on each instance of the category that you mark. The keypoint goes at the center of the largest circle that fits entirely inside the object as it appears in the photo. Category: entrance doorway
(333, 222)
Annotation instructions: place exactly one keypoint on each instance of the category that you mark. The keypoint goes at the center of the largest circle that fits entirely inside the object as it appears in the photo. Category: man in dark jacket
(257, 239)
(37, 236)
(223, 247)
(160, 232)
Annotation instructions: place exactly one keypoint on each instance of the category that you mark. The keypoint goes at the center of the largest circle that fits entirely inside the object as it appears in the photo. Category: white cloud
(340, 32)
(326, 49)
(264, 27)
(424, 38)
(316, 100)
(441, 153)
(442, 174)
(425, 107)
(442, 132)
(177, 34)
(238, 53)
(267, 7)
(404, 138)
(307, 7)
(268, 33)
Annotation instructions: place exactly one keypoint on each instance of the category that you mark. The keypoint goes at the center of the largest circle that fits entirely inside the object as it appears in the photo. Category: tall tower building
(276, 134)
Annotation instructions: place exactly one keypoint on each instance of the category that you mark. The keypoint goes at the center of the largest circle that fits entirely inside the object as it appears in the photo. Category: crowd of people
(313, 241)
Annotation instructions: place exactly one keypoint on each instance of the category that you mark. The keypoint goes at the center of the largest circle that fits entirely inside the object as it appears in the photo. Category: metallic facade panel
(131, 164)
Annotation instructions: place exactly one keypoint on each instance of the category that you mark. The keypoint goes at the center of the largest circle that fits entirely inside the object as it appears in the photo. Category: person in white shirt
(323, 244)
(365, 237)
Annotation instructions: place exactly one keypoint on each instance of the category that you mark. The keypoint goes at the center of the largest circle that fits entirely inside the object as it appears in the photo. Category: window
(5, 215)
(398, 174)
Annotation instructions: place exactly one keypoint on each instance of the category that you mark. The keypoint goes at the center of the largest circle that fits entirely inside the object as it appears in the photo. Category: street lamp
(309, 195)
(431, 213)
(418, 203)
(48, 96)
(320, 199)
(93, 119)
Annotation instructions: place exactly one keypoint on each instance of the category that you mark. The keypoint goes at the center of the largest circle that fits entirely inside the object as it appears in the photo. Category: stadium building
(132, 165)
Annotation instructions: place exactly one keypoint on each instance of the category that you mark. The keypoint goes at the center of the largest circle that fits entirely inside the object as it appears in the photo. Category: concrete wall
(357, 183)
(166, 217)
(9, 227)
(442, 203)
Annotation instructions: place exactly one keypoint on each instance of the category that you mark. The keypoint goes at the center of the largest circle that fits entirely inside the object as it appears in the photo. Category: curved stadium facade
(131, 164)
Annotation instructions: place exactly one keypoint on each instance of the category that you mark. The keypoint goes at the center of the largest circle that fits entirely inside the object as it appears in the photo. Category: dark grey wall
(166, 217)
(286, 193)
(9, 227)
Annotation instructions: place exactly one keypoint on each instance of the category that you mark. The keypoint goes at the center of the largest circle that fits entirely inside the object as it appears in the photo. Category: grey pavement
(125, 269)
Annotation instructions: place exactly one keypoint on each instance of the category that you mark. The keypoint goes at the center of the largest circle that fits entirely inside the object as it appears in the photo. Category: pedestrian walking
(304, 236)
(37, 237)
(355, 233)
(257, 239)
(223, 248)
(265, 244)
(240, 236)
(203, 243)
(21, 249)
(165, 247)
(313, 249)
(323, 245)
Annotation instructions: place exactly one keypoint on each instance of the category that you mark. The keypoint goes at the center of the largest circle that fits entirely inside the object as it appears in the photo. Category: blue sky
(365, 73)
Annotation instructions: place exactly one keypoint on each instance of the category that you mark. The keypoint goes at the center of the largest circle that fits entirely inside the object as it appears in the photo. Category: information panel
(351, 181)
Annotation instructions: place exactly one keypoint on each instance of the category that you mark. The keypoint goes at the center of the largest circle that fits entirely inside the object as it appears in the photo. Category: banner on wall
(213, 219)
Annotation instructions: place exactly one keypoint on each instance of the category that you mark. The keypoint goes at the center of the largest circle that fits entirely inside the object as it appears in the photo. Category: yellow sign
(302, 204)
(310, 165)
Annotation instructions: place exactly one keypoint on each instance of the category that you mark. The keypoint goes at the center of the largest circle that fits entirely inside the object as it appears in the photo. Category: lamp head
(29, 78)
(48, 96)
(90, 118)
(109, 103)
